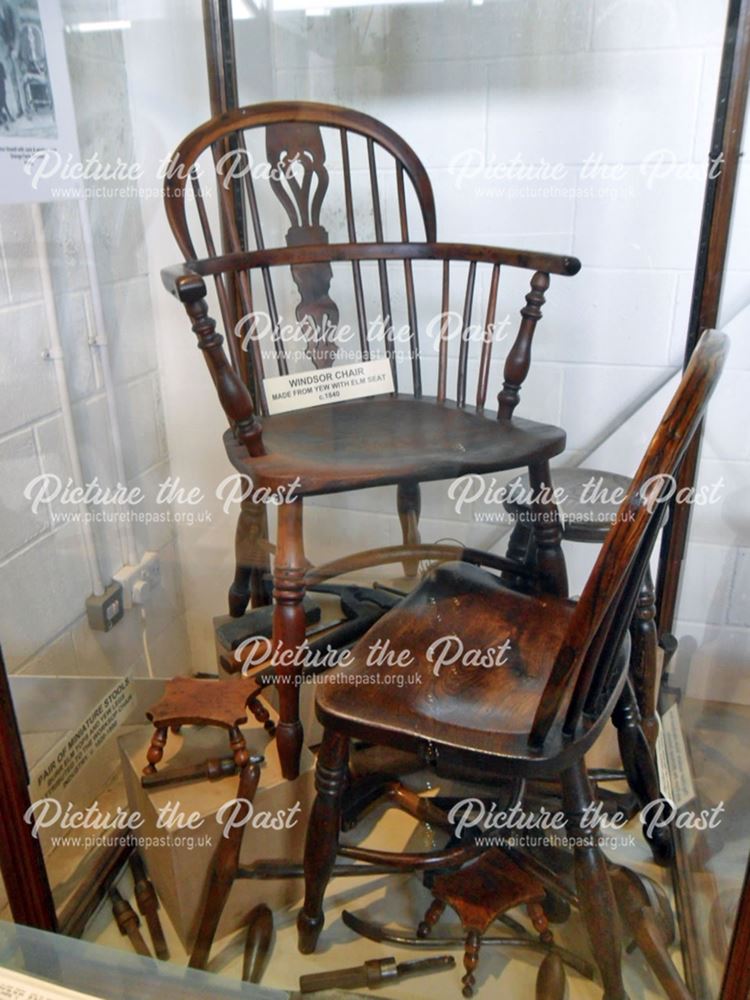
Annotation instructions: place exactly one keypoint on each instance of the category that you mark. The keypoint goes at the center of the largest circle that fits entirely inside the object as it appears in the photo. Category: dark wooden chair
(433, 426)
(536, 714)
(586, 515)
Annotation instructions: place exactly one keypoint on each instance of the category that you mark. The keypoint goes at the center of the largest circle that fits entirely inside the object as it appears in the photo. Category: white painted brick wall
(43, 578)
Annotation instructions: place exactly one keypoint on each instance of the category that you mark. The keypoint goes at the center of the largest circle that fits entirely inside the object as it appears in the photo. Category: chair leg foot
(321, 845)
(289, 739)
(308, 932)
(592, 880)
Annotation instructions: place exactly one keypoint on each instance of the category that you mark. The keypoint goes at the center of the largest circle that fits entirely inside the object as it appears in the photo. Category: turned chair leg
(592, 881)
(289, 631)
(644, 646)
(640, 769)
(155, 751)
(434, 912)
(471, 961)
(251, 558)
(539, 921)
(409, 503)
(547, 531)
(322, 840)
(222, 874)
(261, 714)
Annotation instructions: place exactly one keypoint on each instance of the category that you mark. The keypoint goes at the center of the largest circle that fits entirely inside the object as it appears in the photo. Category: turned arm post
(518, 360)
(234, 396)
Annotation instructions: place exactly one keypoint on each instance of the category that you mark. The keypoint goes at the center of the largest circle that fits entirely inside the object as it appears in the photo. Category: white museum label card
(328, 385)
(19, 986)
(57, 769)
(672, 760)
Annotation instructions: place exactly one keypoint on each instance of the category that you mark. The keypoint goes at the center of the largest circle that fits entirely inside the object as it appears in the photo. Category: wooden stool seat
(200, 702)
(479, 894)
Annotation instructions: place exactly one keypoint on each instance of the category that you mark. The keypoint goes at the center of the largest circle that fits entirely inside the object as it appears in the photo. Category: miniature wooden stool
(479, 894)
(195, 701)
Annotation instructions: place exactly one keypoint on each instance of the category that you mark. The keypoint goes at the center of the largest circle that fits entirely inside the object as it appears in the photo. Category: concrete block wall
(43, 576)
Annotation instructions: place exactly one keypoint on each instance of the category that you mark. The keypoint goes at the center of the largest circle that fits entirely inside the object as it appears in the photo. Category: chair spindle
(519, 357)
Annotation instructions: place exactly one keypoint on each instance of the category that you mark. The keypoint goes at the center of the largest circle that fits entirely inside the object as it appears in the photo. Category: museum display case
(374, 553)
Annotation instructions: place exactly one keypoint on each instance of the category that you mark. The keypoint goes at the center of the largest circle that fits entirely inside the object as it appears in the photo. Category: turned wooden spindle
(155, 752)
(518, 360)
(233, 395)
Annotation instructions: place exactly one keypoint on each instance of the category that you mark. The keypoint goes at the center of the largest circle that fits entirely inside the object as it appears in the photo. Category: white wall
(43, 578)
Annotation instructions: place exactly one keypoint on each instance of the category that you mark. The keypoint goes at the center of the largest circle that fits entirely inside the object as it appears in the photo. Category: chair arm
(183, 282)
(319, 253)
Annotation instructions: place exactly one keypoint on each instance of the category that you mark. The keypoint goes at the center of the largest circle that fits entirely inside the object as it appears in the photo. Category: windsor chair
(433, 425)
(535, 714)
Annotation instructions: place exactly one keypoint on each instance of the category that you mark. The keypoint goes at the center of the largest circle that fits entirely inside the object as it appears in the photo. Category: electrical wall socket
(139, 582)
(105, 611)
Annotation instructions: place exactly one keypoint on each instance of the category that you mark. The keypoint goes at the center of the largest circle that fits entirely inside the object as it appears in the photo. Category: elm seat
(490, 709)
(377, 441)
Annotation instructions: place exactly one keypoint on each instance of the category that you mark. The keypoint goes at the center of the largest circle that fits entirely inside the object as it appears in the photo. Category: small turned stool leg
(261, 715)
(409, 503)
(289, 631)
(471, 961)
(222, 873)
(239, 748)
(538, 918)
(156, 750)
(431, 917)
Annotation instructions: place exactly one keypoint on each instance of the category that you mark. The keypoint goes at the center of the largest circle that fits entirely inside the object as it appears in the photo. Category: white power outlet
(139, 582)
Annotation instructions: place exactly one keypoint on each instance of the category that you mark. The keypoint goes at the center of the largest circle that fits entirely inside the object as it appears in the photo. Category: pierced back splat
(296, 155)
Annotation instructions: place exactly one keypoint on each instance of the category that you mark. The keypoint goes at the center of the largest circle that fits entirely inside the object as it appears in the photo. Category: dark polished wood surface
(564, 676)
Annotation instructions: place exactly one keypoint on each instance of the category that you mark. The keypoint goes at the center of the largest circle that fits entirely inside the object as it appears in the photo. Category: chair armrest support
(190, 288)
